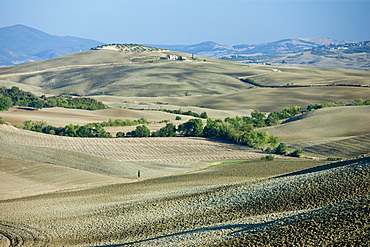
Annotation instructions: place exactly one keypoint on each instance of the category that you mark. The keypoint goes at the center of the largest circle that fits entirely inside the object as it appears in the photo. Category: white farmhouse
(172, 57)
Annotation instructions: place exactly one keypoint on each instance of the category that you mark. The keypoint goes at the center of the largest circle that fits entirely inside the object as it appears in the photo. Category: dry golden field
(66, 191)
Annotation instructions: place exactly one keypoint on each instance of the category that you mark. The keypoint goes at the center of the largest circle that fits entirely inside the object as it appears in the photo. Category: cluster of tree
(356, 102)
(88, 130)
(15, 96)
(259, 119)
(187, 113)
(237, 130)
(282, 149)
(254, 83)
(240, 130)
(130, 47)
(68, 101)
(72, 130)
(143, 131)
(120, 122)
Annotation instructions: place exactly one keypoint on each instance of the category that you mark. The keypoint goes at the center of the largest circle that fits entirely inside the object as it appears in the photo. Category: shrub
(334, 158)
(120, 134)
(268, 157)
(297, 153)
(281, 149)
(2, 121)
(178, 118)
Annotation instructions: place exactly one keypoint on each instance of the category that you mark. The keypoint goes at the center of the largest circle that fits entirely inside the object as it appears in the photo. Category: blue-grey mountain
(22, 44)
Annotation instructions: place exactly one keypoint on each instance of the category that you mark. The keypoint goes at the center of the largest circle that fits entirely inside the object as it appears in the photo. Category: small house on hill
(172, 57)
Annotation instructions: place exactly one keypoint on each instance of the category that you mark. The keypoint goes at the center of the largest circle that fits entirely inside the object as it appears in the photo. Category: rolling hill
(340, 56)
(21, 44)
(215, 50)
(70, 197)
(213, 83)
(184, 191)
(328, 132)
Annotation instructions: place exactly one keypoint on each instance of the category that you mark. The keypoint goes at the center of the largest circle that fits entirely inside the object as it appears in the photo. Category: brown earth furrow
(181, 149)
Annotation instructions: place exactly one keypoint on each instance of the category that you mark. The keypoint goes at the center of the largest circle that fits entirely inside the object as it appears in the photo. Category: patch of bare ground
(328, 132)
(19, 178)
(271, 209)
(262, 99)
(182, 151)
(344, 147)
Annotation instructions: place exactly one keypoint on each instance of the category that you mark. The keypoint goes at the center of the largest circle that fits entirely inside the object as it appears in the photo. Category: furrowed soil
(328, 132)
(64, 191)
(169, 211)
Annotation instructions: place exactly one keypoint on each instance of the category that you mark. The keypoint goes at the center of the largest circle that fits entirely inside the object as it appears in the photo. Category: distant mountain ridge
(22, 44)
(212, 49)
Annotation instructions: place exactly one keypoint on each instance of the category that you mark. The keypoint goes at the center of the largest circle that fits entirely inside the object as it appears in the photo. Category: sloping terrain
(213, 83)
(328, 132)
(111, 160)
(252, 212)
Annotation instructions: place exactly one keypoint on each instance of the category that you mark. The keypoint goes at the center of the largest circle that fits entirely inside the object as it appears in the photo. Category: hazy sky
(192, 21)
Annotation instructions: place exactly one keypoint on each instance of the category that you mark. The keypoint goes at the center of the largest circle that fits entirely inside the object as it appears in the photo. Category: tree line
(74, 130)
(17, 97)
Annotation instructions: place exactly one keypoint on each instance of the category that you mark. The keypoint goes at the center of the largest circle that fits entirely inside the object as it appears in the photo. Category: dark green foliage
(68, 101)
(120, 134)
(193, 127)
(258, 119)
(273, 118)
(188, 113)
(268, 157)
(69, 130)
(36, 104)
(2, 121)
(281, 149)
(356, 102)
(140, 131)
(88, 130)
(168, 131)
(334, 158)
(120, 122)
(5, 103)
(240, 130)
(203, 115)
(22, 98)
(297, 153)
(178, 118)
(213, 128)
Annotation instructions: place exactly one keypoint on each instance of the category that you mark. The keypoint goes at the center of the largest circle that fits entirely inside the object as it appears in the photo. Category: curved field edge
(175, 152)
(161, 217)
